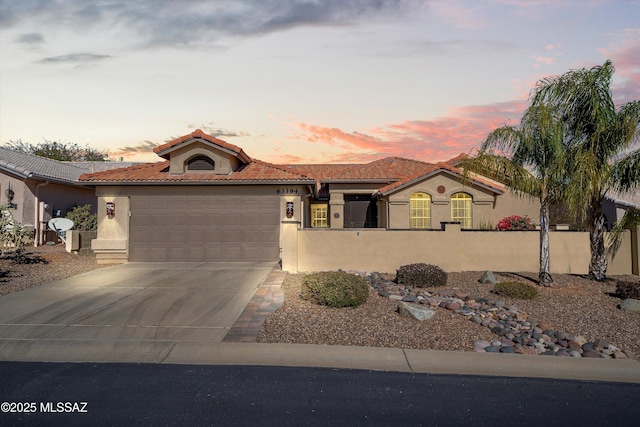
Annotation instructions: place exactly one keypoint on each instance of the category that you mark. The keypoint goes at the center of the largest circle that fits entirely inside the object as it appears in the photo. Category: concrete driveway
(150, 302)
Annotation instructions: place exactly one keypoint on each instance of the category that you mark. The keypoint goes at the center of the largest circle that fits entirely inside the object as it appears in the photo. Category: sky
(297, 81)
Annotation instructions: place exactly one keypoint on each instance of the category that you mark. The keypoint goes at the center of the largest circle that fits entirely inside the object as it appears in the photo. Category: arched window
(461, 209)
(420, 210)
(201, 163)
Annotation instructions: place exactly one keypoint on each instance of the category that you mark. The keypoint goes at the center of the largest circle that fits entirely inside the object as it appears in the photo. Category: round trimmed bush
(421, 275)
(517, 290)
(335, 289)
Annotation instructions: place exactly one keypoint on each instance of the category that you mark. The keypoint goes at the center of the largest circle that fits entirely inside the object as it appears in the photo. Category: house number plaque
(287, 191)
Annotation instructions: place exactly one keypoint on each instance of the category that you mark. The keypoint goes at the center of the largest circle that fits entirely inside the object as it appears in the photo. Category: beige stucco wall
(453, 250)
(487, 207)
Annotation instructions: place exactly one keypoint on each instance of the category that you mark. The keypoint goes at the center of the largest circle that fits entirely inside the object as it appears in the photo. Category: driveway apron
(169, 302)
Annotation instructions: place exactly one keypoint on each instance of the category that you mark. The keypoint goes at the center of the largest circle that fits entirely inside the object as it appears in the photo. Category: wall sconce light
(9, 193)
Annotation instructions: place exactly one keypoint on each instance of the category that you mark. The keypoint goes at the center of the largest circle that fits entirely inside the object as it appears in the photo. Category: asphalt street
(54, 394)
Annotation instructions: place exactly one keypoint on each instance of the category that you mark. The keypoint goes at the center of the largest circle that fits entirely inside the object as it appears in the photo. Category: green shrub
(421, 275)
(83, 219)
(626, 290)
(335, 289)
(517, 290)
(13, 235)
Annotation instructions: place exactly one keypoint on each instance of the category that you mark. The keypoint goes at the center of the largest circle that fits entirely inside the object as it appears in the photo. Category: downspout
(37, 238)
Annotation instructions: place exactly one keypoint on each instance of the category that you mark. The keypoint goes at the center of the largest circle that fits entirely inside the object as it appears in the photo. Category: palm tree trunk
(545, 275)
(598, 265)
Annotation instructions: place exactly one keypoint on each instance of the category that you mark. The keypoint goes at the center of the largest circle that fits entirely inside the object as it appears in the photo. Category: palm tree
(531, 160)
(596, 136)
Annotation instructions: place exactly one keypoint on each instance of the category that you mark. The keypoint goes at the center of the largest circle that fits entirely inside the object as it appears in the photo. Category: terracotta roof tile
(159, 172)
(162, 150)
(442, 166)
(387, 169)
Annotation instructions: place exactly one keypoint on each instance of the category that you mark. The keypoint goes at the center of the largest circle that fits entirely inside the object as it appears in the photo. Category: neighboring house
(209, 201)
(616, 204)
(42, 188)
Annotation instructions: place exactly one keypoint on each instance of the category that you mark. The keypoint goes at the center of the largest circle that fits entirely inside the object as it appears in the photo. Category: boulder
(415, 312)
(632, 305)
(488, 278)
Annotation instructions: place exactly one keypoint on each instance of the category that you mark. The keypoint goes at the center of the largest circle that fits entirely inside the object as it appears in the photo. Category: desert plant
(421, 275)
(335, 289)
(486, 225)
(515, 222)
(626, 290)
(517, 290)
(13, 235)
(83, 219)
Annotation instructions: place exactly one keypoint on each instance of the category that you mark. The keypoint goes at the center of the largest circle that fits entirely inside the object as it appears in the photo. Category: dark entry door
(360, 211)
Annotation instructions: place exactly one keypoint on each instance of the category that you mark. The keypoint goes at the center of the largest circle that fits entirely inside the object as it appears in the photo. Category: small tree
(83, 219)
(13, 235)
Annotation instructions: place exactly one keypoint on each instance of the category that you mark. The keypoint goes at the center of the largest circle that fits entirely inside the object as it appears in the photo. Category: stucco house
(209, 201)
(39, 189)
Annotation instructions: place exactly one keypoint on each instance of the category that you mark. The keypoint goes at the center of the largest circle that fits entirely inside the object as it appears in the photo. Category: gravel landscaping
(574, 305)
(41, 265)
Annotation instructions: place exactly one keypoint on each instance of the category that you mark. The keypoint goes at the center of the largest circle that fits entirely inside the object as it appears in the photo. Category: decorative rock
(476, 318)
(480, 345)
(617, 354)
(415, 312)
(452, 306)
(517, 331)
(602, 343)
(488, 278)
(632, 305)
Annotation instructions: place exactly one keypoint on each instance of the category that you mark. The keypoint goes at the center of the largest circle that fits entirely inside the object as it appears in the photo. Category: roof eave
(212, 182)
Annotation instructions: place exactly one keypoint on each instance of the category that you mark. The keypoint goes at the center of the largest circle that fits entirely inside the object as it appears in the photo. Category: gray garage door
(204, 228)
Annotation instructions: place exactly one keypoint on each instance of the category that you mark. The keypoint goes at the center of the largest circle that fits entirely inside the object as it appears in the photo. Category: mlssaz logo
(63, 407)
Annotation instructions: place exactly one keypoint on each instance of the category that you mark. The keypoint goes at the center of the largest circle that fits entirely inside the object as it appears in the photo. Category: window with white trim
(420, 210)
(461, 209)
(319, 215)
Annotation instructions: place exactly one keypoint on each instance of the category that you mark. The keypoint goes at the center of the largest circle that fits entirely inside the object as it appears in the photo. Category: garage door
(204, 228)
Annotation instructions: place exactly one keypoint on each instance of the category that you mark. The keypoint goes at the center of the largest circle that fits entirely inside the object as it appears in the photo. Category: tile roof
(436, 168)
(256, 171)
(383, 170)
(36, 167)
(164, 149)
(30, 166)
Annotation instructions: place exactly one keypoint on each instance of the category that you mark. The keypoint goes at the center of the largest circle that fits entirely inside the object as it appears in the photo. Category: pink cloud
(462, 131)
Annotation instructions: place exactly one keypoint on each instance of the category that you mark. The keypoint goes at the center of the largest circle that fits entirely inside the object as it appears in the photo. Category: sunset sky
(296, 81)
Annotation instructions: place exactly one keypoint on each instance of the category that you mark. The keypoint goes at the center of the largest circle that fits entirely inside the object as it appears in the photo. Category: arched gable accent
(200, 163)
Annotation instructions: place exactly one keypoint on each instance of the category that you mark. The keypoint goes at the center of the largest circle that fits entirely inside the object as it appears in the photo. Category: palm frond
(629, 220)
(627, 172)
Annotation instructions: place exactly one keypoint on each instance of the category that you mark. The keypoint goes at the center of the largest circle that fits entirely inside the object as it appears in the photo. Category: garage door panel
(204, 228)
